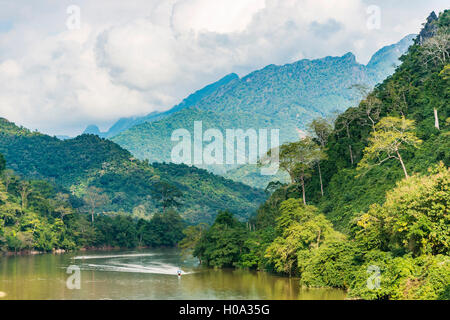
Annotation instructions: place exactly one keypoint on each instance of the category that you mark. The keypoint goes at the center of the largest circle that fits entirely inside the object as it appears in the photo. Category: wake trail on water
(116, 264)
(113, 256)
(123, 267)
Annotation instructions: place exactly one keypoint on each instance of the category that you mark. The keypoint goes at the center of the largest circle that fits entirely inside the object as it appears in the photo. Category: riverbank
(62, 251)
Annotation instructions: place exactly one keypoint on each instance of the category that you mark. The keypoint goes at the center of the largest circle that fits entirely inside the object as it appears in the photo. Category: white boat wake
(118, 263)
(114, 256)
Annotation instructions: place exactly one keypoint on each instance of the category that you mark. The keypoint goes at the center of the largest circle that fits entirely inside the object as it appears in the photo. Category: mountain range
(284, 97)
(125, 123)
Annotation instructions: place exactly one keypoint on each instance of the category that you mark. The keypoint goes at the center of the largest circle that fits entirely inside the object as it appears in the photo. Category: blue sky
(133, 57)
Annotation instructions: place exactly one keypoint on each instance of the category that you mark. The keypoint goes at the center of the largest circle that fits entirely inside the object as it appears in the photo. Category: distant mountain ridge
(126, 123)
(284, 97)
(382, 59)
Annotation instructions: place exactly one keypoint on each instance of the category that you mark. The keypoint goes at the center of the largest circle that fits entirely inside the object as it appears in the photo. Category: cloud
(134, 57)
(325, 30)
(220, 16)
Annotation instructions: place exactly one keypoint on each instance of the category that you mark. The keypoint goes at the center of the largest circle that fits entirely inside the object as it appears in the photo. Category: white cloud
(221, 16)
(138, 56)
(10, 69)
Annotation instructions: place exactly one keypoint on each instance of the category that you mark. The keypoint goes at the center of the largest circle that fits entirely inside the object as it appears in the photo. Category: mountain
(429, 29)
(251, 176)
(93, 129)
(284, 97)
(132, 186)
(126, 123)
(384, 61)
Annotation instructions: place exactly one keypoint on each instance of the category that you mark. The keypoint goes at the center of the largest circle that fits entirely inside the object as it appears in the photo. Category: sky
(67, 64)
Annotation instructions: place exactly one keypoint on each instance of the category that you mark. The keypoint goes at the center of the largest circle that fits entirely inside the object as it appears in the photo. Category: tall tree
(24, 190)
(318, 155)
(8, 178)
(168, 195)
(391, 135)
(397, 93)
(94, 199)
(2, 163)
(192, 236)
(297, 158)
(370, 105)
(62, 205)
(437, 49)
(322, 130)
(343, 123)
(301, 228)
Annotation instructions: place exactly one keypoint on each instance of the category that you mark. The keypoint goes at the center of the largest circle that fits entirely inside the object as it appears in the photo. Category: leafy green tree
(322, 129)
(62, 205)
(18, 241)
(254, 248)
(402, 278)
(2, 163)
(8, 177)
(445, 73)
(413, 218)
(398, 92)
(343, 124)
(167, 194)
(165, 229)
(300, 228)
(222, 244)
(192, 236)
(391, 135)
(125, 232)
(369, 107)
(297, 158)
(330, 265)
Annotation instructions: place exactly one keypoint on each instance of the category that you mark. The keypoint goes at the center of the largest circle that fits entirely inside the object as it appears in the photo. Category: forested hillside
(91, 166)
(284, 97)
(38, 216)
(367, 204)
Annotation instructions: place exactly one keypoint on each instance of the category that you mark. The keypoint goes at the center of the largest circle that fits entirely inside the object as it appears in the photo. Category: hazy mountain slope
(284, 97)
(130, 184)
(126, 123)
(251, 176)
(384, 61)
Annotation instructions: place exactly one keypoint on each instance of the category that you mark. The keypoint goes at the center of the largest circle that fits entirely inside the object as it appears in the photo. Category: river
(141, 274)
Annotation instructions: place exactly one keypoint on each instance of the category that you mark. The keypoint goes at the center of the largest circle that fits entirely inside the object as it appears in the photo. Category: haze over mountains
(284, 97)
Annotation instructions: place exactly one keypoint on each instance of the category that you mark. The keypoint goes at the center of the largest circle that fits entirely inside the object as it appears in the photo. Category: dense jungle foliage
(36, 215)
(372, 215)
